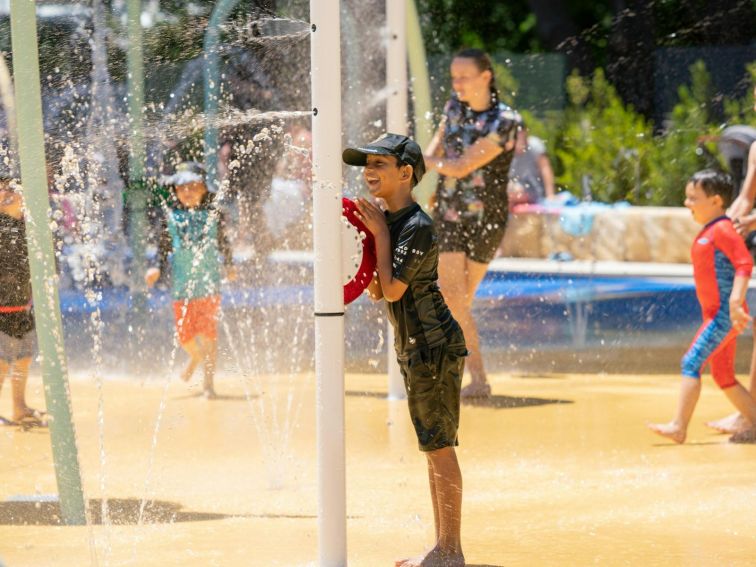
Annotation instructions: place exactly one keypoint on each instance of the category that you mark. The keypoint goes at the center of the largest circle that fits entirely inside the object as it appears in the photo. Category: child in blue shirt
(193, 236)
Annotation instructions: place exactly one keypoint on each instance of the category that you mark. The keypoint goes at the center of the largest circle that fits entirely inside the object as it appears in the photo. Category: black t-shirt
(15, 277)
(420, 318)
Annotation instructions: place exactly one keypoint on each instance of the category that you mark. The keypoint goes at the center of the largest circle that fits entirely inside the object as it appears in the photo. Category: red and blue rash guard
(718, 254)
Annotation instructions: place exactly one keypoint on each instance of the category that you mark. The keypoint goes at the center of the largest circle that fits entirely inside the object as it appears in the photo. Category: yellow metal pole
(421, 98)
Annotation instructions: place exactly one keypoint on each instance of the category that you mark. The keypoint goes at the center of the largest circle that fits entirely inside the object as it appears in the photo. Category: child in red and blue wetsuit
(721, 268)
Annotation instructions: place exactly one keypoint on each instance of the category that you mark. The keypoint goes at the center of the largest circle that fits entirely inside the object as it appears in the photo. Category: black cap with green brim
(401, 147)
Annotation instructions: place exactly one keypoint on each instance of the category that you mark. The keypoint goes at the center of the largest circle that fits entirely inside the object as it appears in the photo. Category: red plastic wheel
(359, 257)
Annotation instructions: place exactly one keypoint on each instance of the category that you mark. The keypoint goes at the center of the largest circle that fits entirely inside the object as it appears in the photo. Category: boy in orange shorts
(194, 236)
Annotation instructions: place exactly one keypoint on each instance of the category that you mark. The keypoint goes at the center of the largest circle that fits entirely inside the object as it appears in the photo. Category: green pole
(42, 260)
(136, 192)
(421, 99)
(212, 87)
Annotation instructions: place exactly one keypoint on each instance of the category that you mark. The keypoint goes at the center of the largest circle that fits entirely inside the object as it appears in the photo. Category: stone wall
(633, 234)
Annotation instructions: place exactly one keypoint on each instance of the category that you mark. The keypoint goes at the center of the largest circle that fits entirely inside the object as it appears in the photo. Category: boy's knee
(725, 381)
(441, 453)
(459, 306)
(689, 367)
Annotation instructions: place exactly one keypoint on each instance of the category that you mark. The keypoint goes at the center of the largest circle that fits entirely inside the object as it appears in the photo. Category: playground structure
(328, 300)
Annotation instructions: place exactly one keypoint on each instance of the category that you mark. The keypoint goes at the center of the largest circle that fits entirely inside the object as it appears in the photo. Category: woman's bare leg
(459, 278)
(19, 375)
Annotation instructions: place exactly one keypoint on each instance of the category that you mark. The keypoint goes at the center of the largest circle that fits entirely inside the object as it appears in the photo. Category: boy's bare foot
(435, 558)
(31, 418)
(407, 562)
(476, 390)
(191, 366)
(744, 436)
(209, 394)
(669, 430)
(730, 424)
(29, 413)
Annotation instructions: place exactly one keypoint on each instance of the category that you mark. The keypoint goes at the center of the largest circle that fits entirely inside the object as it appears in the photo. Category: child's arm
(730, 243)
(164, 249)
(738, 314)
(392, 289)
(374, 288)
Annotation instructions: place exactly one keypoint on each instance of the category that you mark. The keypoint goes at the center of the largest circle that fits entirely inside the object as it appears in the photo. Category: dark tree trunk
(630, 61)
(725, 22)
(558, 32)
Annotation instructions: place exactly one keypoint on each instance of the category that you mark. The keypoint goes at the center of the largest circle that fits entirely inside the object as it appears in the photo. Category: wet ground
(558, 470)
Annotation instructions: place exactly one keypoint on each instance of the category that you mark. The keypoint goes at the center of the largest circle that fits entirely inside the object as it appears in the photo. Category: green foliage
(676, 154)
(505, 82)
(602, 141)
(175, 41)
(741, 111)
(599, 137)
(449, 25)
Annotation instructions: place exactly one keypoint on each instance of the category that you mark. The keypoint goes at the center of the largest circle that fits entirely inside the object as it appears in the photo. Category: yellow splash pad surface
(558, 470)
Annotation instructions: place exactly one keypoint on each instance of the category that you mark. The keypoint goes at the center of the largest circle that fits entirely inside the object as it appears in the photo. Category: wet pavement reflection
(558, 469)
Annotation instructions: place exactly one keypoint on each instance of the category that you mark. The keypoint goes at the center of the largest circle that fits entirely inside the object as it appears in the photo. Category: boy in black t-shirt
(429, 343)
(17, 335)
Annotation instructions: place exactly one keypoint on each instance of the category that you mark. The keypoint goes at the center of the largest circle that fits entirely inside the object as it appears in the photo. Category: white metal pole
(396, 121)
(329, 294)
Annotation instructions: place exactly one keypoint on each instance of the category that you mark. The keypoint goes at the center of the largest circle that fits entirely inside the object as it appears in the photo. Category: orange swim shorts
(197, 316)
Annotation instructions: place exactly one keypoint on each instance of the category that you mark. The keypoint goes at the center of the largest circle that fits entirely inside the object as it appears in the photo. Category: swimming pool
(564, 313)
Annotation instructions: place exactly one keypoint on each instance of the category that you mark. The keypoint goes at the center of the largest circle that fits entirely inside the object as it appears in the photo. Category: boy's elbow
(392, 296)
(375, 296)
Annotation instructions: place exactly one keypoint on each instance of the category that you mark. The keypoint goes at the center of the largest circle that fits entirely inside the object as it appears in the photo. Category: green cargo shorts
(433, 378)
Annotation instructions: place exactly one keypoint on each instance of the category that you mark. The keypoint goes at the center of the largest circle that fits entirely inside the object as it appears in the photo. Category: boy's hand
(231, 273)
(152, 275)
(372, 216)
(739, 317)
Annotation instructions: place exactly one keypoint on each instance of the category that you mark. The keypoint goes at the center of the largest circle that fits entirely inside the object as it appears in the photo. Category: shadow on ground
(218, 397)
(496, 402)
(121, 511)
(378, 395)
(510, 402)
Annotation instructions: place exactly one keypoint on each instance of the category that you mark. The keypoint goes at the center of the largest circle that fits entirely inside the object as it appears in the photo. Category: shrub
(598, 138)
(676, 155)
(601, 142)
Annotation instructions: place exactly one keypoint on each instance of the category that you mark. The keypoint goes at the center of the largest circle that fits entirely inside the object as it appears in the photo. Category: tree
(604, 140)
